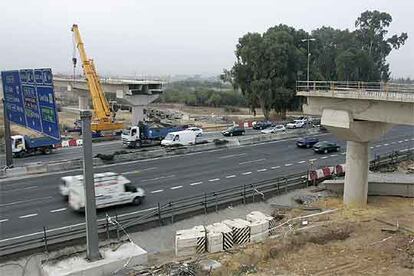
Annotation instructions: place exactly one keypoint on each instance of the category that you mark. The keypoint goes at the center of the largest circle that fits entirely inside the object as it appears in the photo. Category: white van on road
(110, 189)
(182, 138)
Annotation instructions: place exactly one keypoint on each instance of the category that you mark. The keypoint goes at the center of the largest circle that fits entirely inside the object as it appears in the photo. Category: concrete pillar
(356, 177)
(83, 102)
(137, 114)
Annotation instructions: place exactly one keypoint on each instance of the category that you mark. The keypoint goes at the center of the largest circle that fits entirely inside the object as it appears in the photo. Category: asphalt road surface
(103, 148)
(28, 204)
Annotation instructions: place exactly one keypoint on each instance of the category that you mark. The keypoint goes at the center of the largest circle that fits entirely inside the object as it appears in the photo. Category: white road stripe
(324, 157)
(386, 145)
(343, 153)
(371, 147)
(58, 210)
(392, 143)
(262, 170)
(3, 220)
(231, 176)
(158, 178)
(400, 141)
(301, 162)
(252, 161)
(333, 155)
(176, 187)
(139, 171)
(406, 140)
(231, 155)
(29, 215)
(196, 183)
(287, 165)
(378, 146)
(214, 179)
(313, 160)
(275, 167)
(157, 191)
(25, 201)
(246, 173)
(404, 150)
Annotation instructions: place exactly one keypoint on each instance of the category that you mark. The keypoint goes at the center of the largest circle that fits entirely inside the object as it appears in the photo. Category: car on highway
(262, 125)
(198, 131)
(325, 147)
(306, 142)
(233, 131)
(274, 129)
(110, 189)
(296, 124)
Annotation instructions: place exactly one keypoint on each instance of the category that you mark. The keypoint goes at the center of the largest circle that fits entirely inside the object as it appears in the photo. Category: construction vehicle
(23, 145)
(104, 117)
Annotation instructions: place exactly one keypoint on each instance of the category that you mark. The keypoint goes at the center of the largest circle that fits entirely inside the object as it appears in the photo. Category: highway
(27, 204)
(103, 148)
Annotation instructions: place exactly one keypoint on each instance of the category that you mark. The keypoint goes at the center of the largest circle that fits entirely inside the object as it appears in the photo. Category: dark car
(262, 125)
(233, 131)
(325, 147)
(306, 142)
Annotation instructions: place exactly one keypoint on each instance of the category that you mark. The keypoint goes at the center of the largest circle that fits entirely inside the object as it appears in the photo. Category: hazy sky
(172, 37)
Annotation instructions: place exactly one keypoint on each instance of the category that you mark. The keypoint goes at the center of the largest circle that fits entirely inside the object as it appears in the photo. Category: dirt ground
(347, 242)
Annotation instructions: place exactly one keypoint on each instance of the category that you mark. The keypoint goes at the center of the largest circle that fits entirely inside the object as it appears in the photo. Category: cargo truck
(23, 145)
(138, 136)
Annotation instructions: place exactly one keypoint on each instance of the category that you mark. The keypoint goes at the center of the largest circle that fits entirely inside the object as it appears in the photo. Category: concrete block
(17, 171)
(112, 261)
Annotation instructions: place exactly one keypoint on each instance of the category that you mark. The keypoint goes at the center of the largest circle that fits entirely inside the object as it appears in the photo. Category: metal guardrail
(383, 87)
(168, 212)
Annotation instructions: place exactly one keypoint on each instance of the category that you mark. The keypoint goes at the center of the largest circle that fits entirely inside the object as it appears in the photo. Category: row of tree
(268, 65)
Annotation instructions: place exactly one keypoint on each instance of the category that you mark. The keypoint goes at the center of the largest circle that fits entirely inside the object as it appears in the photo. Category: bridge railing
(382, 87)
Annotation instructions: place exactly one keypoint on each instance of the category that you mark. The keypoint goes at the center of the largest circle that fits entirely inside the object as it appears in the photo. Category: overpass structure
(137, 93)
(359, 113)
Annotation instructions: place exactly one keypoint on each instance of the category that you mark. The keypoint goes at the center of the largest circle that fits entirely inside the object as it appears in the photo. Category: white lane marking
(371, 147)
(231, 176)
(386, 145)
(138, 171)
(29, 215)
(343, 153)
(26, 188)
(324, 157)
(400, 141)
(3, 220)
(262, 170)
(158, 178)
(196, 183)
(252, 161)
(157, 191)
(333, 155)
(58, 210)
(246, 173)
(176, 187)
(313, 160)
(392, 143)
(25, 201)
(231, 155)
(214, 179)
(378, 146)
(287, 165)
(275, 167)
(406, 140)
(301, 162)
(403, 150)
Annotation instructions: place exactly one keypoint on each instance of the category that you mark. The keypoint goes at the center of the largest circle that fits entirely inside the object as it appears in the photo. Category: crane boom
(103, 115)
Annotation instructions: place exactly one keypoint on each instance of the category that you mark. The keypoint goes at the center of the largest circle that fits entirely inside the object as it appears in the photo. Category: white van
(110, 189)
(182, 138)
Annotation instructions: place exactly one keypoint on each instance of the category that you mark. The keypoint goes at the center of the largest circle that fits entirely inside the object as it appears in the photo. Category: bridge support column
(83, 102)
(137, 114)
(356, 177)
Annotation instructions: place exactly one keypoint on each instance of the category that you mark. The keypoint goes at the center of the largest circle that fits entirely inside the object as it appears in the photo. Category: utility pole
(89, 189)
(309, 54)
(7, 137)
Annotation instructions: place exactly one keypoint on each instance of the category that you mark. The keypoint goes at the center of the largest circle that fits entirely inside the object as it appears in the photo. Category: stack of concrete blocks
(190, 241)
(240, 230)
(219, 237)
(257, 216)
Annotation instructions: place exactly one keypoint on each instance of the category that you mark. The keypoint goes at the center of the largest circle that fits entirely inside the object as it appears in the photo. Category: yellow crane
(104, 116)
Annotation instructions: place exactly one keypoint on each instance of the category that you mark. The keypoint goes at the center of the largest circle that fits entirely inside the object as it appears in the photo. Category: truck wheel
(137, 201)
(47, 151)
(325, 151)
(231, 134)
(308, 146)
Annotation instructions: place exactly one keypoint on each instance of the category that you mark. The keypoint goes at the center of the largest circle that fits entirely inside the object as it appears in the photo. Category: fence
(171, 211)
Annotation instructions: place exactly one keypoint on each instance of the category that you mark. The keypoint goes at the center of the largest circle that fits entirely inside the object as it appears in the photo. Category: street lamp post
(308, 40)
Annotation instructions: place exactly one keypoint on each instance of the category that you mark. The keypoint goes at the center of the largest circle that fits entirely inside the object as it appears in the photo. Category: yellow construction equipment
(104, 116)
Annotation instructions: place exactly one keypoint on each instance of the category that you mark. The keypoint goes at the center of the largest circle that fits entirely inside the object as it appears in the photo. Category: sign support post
(89, 188)
(7, 138)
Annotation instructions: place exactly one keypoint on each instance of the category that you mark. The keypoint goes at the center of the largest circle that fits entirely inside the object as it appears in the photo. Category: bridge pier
(356, 177)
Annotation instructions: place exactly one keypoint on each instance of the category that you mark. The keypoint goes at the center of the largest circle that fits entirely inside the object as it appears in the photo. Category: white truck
(110, 189)
(179, 138)
(23, 145)
(297, 124)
